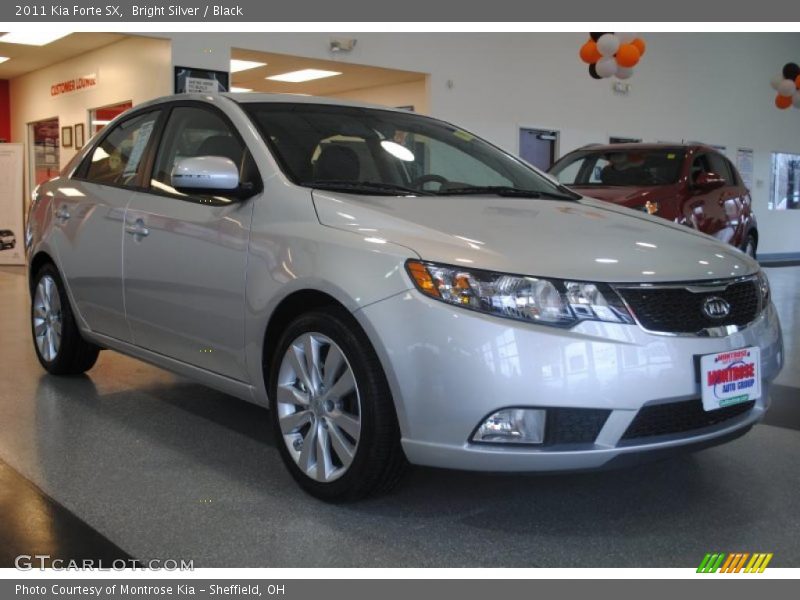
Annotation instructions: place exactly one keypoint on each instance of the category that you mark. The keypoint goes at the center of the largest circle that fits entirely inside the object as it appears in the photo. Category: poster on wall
(200, 81)
(12, 249)
(744, 163)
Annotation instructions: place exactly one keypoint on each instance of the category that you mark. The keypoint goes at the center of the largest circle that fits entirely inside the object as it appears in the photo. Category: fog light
(513, 426)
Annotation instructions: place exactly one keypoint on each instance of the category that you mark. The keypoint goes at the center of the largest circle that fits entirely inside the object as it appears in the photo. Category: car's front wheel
(332, 410)
(58, 343)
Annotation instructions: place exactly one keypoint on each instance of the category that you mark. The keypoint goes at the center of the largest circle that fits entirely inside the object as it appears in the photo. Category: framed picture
(189, 80)
(80, 135)
(66, 137)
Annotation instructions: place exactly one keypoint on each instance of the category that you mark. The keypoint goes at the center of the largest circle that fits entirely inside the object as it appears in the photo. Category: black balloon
(791, 71)
(593, 71)
(596, 36)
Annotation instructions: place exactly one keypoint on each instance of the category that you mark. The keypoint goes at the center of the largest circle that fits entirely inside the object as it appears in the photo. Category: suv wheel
(58, 343)
(332, 411)
(749, 247)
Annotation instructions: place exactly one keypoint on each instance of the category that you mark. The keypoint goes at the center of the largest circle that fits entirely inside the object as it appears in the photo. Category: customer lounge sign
(76, 84)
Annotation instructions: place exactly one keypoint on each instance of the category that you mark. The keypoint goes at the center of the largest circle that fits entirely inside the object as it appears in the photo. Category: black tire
(750, 242)
(379, 461)
(74, 355)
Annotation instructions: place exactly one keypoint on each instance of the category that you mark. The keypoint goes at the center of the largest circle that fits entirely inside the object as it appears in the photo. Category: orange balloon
(783, 102)
(628, 55)
(797, 82)
(639, 43)
(589, 53)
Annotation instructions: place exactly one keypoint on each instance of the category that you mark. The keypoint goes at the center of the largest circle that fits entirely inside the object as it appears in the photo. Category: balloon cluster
(787, 84)
(610, 54)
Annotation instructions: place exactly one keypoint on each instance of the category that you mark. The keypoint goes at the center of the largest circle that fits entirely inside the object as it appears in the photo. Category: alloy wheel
(319, 407)
(47, 324)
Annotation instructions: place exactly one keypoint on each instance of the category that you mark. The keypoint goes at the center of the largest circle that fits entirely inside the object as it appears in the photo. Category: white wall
(710, 87)
(135, 69)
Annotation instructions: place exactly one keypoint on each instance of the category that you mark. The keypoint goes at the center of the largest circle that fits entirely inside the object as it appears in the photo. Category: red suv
(690, 184)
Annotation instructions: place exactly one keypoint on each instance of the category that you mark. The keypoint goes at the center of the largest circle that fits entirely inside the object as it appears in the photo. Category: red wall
(5, 111)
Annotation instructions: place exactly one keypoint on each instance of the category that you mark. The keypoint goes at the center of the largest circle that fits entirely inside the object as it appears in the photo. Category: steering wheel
(429, 178)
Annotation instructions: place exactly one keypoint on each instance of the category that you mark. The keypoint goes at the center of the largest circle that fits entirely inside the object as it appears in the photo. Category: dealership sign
(76, 84)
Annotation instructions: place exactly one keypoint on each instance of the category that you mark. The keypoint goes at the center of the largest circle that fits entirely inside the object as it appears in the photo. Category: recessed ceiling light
(303, 75)
(3, 59)
(238, 89)
(32, 38)
(245, 65)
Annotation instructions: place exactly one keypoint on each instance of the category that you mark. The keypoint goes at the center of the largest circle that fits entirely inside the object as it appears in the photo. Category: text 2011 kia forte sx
(394, 288)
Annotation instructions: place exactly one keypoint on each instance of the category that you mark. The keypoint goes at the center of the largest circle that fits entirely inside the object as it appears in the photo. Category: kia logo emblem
(716, 307)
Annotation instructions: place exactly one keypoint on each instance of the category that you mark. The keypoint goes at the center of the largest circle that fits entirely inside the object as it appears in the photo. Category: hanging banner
(12, 249)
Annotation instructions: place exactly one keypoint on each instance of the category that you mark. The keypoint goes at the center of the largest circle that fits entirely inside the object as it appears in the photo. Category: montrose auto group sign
(76, 84)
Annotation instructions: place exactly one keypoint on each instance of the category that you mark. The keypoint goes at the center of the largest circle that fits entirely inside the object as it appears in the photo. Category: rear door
(185, 255)
(89, 211)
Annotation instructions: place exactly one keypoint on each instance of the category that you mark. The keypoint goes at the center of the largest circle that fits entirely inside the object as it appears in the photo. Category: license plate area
(730, 377)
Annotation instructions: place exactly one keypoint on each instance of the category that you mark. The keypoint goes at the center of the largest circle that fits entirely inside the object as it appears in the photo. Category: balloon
(628, 55)
(589, 53)
(776, 81)
(606, 67)
(787, 87)
(595, 36)
(625, 37)
(796, 100)
(791, 70)
(783, 102)
(608, 44)
(639, 43)
(624, 73)
(593, 72)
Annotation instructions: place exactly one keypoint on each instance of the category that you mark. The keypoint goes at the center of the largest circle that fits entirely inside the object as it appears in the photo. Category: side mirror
(708, 181)
(205, 175)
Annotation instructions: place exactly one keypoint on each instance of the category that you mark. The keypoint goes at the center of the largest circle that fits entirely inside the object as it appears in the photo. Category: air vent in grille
(679, 417)
(574, 425)
(671, 309)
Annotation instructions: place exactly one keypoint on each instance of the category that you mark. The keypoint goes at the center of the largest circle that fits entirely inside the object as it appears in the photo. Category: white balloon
(624, 72)
(796, 100)
(606, 67)
(626, 38)
(776, 81)
(787, 87)
(608, 44)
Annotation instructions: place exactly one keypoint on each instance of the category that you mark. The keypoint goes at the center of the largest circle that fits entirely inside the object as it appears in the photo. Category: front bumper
(449, 368)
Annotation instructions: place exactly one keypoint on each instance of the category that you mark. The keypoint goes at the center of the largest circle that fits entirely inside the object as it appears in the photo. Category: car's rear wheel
(58, 343)
(332, 410)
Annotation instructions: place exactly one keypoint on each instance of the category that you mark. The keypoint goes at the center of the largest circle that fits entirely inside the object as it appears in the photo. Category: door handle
(137, 229)
(62, 214)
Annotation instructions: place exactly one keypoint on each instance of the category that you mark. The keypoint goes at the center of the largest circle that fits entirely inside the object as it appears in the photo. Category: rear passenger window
(193, 132)
(719, 165)
(117, 160)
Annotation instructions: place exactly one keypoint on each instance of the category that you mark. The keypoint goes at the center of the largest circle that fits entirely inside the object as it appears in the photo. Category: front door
(185, 255)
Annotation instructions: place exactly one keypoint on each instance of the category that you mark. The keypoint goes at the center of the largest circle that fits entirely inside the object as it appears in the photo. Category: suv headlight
(763, 287)
(556, 302)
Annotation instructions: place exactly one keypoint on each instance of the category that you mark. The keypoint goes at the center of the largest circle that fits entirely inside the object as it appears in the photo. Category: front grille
(680, 309)
(680, 417)
(574, 425)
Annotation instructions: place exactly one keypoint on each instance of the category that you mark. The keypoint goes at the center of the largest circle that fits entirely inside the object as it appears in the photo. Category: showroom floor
(134, 460)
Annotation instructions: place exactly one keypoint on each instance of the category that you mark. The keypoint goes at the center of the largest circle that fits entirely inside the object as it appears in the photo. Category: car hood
(587, 239)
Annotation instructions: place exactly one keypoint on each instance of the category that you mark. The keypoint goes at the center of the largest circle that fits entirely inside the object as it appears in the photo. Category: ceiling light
(32, 38)
(238, 89)
(303, 75)
(245, 65)
(609, 261)
(3, 59)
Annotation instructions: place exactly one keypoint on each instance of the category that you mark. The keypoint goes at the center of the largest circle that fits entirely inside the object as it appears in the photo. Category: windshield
(635, 168)
(373, 151)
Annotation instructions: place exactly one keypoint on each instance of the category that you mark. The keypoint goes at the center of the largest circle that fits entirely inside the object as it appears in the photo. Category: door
(711, 210)
(538, 147)
(185, 255)
(88, 222)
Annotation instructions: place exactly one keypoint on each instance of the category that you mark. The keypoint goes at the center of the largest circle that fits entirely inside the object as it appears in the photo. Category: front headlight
(763, 287)
(556, 302)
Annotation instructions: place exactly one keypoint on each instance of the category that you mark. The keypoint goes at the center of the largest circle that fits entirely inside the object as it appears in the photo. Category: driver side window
(117, 159)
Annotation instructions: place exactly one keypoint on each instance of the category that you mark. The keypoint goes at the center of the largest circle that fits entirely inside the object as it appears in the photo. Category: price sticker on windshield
(730, 377)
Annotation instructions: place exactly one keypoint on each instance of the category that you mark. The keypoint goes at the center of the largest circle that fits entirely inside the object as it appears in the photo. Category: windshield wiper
(502, 190)
(367, 187)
